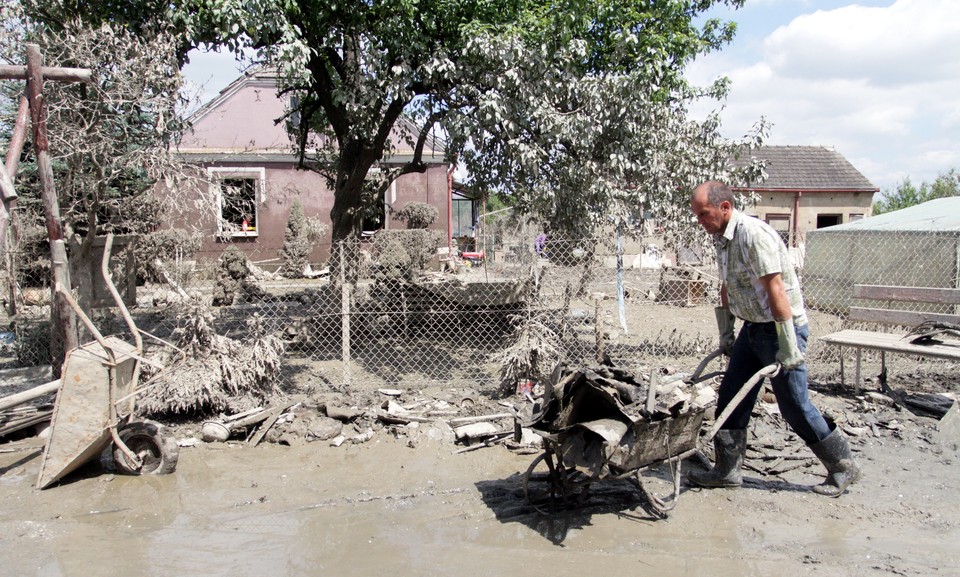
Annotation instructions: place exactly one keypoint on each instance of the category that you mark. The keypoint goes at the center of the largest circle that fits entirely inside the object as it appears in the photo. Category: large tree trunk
(346, 216)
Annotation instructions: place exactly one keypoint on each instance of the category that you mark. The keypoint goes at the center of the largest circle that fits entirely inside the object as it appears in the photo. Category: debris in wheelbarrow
(605, 423)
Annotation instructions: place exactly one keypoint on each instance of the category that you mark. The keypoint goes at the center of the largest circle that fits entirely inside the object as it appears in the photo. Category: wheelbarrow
(95, 403)
(618, 446)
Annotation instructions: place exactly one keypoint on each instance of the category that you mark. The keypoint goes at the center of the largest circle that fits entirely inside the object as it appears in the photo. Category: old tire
(159, 454)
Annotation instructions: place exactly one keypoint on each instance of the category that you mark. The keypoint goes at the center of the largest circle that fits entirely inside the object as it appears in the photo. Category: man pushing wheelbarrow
(760, 287)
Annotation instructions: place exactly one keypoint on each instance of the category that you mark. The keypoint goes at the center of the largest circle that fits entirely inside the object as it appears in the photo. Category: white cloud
(878, 83)
(908, 42)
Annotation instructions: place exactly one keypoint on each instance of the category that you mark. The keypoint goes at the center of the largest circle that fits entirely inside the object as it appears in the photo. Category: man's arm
(788, 354)
(777, 295)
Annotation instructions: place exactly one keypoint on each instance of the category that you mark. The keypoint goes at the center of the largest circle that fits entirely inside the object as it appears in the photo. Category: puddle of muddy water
(384, 509)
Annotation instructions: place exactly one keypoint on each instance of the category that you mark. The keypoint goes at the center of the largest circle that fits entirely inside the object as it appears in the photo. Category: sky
(877, 80)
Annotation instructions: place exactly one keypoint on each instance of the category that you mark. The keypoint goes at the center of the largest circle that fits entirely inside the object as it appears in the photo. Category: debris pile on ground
(213, 372)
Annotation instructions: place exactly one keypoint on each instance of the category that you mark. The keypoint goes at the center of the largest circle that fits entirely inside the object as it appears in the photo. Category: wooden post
(7, 215)
(345, 295)
(63, 321)
(598, 328)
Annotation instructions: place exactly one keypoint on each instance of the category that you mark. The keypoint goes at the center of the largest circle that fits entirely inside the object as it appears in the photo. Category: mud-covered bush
(298, 241)
(235, 282)
(216, 373)
(165, 245)
(403, 254)
(418, 215)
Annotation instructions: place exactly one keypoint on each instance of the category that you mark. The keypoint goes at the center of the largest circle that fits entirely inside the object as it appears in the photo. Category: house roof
(938, 215)
(807, 169)
(239, 125)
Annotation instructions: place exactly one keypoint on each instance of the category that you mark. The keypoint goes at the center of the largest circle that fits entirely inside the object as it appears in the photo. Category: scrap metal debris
(926, 332)
(607, 421)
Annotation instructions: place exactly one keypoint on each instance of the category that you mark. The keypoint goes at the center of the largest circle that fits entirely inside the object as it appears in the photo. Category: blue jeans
(756, 347)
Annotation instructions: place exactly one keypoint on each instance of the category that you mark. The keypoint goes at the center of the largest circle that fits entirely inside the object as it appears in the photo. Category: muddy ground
(410, 502)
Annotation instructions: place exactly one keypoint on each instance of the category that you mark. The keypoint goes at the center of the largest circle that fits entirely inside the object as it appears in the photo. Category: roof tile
(807, 168)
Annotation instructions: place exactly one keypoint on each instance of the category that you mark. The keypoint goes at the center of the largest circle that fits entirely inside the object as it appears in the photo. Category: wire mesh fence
(492, 318)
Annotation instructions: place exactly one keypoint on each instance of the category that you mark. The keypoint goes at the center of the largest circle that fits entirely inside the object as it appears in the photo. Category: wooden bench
(944, 348)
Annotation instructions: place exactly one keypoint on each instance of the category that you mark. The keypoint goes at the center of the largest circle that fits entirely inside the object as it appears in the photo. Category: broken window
(239, 193)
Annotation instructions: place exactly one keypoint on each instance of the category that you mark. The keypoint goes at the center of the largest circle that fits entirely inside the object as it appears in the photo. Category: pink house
(248, 162)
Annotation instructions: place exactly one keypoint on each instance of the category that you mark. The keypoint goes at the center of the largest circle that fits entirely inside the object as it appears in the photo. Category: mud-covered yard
(410, 501)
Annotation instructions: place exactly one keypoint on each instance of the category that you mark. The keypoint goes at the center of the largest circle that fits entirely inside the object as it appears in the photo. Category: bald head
(712, 204)
(713, 193)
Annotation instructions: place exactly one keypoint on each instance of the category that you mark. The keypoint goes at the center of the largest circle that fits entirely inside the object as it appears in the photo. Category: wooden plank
(14, 72)
(895, 343)
(909, 294)
(896, 317)
(29, 395)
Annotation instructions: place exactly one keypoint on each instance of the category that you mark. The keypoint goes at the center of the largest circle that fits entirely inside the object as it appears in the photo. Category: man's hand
(725, 323)
(789, 354)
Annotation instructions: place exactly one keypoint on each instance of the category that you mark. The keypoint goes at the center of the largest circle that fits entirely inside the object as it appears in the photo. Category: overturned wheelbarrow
(95, 405)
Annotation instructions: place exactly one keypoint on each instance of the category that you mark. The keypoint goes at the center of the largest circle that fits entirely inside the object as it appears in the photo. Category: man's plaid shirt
(747, 250)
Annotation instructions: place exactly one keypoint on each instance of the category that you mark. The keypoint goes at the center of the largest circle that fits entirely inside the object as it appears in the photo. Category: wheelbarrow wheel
(564, 487)
(158, 454)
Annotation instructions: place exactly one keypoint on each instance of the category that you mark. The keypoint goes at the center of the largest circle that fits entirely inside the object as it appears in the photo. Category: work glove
(789, 354)
(725, 320)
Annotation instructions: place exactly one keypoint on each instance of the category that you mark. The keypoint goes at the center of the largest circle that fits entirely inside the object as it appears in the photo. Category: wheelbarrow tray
(80, 425)
(650, 442)
(612, 447)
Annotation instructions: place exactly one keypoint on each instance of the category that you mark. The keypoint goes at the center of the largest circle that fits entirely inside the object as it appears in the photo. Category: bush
(402, 254)
(418, 215)
(166, 245)
(298, 240)
(234, 282)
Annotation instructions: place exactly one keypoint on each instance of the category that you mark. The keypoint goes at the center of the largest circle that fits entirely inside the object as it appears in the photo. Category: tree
(906, 194)
(109, 138)
(576, 109)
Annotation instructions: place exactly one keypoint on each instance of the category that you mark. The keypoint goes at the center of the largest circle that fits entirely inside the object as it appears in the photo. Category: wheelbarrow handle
(767, 371)
(695, 377)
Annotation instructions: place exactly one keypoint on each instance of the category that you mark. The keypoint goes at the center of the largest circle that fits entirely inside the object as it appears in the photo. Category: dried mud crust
(406, 495)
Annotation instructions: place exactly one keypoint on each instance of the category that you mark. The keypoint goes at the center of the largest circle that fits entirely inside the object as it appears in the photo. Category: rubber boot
(842, 469)
(729, 446)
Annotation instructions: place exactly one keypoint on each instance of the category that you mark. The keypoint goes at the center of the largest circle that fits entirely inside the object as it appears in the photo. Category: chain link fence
(494, 317)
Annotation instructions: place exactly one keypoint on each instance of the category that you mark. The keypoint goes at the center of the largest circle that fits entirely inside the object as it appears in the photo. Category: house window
(239, 193)
(824, 220)
(855, 216)
(781, 224)
(464, 215)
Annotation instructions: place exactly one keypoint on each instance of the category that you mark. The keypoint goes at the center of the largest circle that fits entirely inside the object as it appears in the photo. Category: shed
(807, 188)
(915, 246)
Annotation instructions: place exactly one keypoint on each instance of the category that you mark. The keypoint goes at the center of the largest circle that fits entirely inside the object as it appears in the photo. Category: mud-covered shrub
(418, 215)
(216, 373)
(32, 345)
(235, 282)
(392, 258)
(166, 245)
(403, 254)
(298, 241)
(33, 256)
